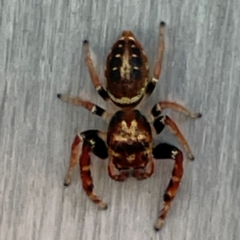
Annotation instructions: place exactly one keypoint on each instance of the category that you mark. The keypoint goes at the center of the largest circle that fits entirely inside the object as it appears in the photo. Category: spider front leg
(92, 71)
(159, 107)
(92, 142)
(115, 174)
(159, 124)
(141, 174)
(158, 65)
(163, 151)
(73, 159)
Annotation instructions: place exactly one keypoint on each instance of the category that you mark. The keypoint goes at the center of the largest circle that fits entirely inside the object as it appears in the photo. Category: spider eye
(145, 156)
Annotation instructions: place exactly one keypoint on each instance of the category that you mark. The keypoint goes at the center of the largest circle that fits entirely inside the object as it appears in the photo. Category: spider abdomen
(127, 71)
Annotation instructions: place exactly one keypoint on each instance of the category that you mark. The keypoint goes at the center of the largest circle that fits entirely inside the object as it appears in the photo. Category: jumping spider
(128, 142)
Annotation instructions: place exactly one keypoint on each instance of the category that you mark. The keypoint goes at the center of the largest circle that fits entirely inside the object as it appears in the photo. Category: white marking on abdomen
(125, 69)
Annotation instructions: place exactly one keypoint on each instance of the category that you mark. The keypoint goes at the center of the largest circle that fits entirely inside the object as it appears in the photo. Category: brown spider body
(128, 141)
(127, 71)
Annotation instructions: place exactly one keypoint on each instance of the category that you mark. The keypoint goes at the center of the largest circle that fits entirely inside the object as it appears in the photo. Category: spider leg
(140, 174)
(163, 151)
(160, 106)
(95, 109)
(159, 60)
(92, 71)
(159, 124)
(92, 142)
(115, 174)
(73, 159)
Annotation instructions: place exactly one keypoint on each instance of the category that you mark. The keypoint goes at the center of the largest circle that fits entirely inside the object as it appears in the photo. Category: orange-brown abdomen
(127, 71)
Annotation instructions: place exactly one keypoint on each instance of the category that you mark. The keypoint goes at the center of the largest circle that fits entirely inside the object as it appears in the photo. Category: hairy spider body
(127, 71)
(128, 142)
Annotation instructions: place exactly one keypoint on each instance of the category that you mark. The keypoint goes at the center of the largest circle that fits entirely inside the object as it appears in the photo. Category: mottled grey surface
(41, 54)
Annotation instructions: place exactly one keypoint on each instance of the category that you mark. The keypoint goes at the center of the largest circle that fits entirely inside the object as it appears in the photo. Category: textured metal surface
(41, 55)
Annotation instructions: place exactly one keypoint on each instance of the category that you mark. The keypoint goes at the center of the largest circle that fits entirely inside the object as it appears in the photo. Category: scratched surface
(41, 55)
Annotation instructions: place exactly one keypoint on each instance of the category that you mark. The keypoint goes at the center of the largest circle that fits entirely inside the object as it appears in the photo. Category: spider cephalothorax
(128, 142)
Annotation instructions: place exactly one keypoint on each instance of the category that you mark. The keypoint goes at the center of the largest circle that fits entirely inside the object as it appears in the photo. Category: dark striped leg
(95, 80)
(92, 142)
(162, 121)
(73, 159)
(159, 107)
(95, 109)
(146, 172)
(159, 61)
(163, 151)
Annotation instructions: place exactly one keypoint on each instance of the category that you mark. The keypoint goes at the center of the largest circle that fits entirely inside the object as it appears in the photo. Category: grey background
(41, 55)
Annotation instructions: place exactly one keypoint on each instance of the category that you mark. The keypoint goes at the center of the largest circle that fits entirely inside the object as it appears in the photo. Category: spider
(128, 142)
